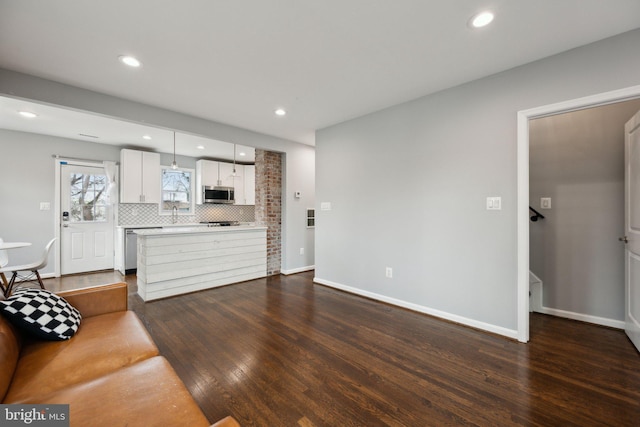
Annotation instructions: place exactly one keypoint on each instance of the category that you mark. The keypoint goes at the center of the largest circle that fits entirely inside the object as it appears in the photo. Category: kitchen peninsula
(173, 261)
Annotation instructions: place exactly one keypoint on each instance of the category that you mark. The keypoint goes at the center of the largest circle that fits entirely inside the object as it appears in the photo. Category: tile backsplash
(148, 214)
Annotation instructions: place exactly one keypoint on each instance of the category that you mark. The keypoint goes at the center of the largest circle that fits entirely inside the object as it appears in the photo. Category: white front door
(632, 227)
(86, 234)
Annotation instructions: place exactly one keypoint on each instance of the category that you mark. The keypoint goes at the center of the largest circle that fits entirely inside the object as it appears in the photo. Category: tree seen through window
(88, 197)
(176, 190)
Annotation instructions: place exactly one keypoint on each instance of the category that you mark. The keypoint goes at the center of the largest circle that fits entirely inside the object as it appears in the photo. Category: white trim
(603, 321)
(523, 118)
(509, 333)
(56, 217)
(192, 209)
(298, 270)
(522, 298)
(57, 203)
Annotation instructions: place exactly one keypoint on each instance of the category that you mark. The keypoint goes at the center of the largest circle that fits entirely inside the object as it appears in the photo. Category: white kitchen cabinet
(212, 173)
(238, 185)
(206, 174)
(249, 184)
(226, 171)
(139, 177)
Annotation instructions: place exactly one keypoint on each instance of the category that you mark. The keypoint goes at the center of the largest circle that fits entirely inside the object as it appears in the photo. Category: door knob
(623, 239)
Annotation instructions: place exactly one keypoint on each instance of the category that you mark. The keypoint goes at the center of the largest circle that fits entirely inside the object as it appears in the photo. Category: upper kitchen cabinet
(139, 177)
(212, 173)
(206, 174)
(226, 174)
(249, 185)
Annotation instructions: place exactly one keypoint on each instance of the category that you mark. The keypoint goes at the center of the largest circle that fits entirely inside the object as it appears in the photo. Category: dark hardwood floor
(283, 351)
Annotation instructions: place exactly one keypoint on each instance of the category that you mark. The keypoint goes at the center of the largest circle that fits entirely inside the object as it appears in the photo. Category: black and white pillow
(42, 313)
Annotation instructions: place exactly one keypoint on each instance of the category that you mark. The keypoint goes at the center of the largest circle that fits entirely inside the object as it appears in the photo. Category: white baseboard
(298, 270)
(509, 333)
(603, 321)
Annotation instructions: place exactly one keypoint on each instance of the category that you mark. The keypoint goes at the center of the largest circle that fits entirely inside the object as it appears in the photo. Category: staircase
(535, 293)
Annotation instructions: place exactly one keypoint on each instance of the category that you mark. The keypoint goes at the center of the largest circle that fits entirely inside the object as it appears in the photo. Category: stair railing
(536, 215)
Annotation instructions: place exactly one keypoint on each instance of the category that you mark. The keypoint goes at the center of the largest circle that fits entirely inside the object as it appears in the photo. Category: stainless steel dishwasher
(131, 249)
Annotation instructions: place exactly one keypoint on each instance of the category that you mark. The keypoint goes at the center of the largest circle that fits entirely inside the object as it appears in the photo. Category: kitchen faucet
(174, 214)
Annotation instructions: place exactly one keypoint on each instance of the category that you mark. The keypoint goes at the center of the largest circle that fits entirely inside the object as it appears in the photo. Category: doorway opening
(577, 182)
(523, 217)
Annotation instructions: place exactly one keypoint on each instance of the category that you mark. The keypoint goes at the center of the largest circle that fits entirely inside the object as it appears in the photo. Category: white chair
(4, 260)
(32, 268)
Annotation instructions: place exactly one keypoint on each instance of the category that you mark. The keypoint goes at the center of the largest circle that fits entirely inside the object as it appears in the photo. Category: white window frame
(192, 194)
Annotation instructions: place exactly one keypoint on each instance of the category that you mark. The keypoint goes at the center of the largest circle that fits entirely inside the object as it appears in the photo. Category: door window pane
(88, 197)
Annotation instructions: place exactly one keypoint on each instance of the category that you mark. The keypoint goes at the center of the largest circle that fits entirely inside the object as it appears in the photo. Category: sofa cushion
(41, 313)
(9, 352)
(102, 345)
(148, 393)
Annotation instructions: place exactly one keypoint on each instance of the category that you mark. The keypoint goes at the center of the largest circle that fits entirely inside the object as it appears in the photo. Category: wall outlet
(545, 203)
(301, 251)
(389, 272)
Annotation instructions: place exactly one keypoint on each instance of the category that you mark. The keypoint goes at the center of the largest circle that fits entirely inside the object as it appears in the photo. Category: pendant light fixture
(234, 160)
(174, 165)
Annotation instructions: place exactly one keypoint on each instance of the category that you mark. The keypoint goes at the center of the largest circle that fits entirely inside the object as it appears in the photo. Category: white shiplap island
(173, 261)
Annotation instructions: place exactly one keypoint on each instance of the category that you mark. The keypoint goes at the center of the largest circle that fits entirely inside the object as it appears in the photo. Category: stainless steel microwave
(218, 194)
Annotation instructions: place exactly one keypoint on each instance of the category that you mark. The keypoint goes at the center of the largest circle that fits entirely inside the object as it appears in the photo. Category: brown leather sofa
(110, 372)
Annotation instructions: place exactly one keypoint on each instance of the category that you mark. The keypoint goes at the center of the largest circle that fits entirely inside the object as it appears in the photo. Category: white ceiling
(105, 130)
(324, 61)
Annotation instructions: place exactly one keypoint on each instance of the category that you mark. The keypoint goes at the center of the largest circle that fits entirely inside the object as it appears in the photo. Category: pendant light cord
(174, 165)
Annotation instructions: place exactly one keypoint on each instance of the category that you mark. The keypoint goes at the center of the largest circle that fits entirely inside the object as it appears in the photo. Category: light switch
(45, 206)
(325, 206)
(545, 203)
(494, 203)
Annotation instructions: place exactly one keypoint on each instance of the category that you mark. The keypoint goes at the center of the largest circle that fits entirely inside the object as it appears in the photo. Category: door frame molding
(57, 221)
(522, 166)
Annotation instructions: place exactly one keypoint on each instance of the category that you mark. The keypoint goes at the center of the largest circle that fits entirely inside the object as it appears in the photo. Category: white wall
(408, 186)
(27, 176)
(299, 158)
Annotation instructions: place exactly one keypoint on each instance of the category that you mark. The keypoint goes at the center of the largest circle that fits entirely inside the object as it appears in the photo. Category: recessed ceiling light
(147, 137)
(242, 153)
(130, 61)
(200, 147)
(28, 114)
(280, 112)
(482, 19)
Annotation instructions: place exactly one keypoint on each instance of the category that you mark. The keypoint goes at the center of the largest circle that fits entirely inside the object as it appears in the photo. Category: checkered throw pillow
(42, 313)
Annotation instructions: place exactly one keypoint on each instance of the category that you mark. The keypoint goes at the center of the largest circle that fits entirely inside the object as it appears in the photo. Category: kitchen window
(177, 190)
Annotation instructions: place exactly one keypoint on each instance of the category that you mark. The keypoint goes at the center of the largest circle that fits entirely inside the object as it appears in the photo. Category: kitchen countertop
(192, 224)
(172, 230)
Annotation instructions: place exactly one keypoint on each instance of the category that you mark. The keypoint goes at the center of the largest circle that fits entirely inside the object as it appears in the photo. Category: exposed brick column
(269, 205)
